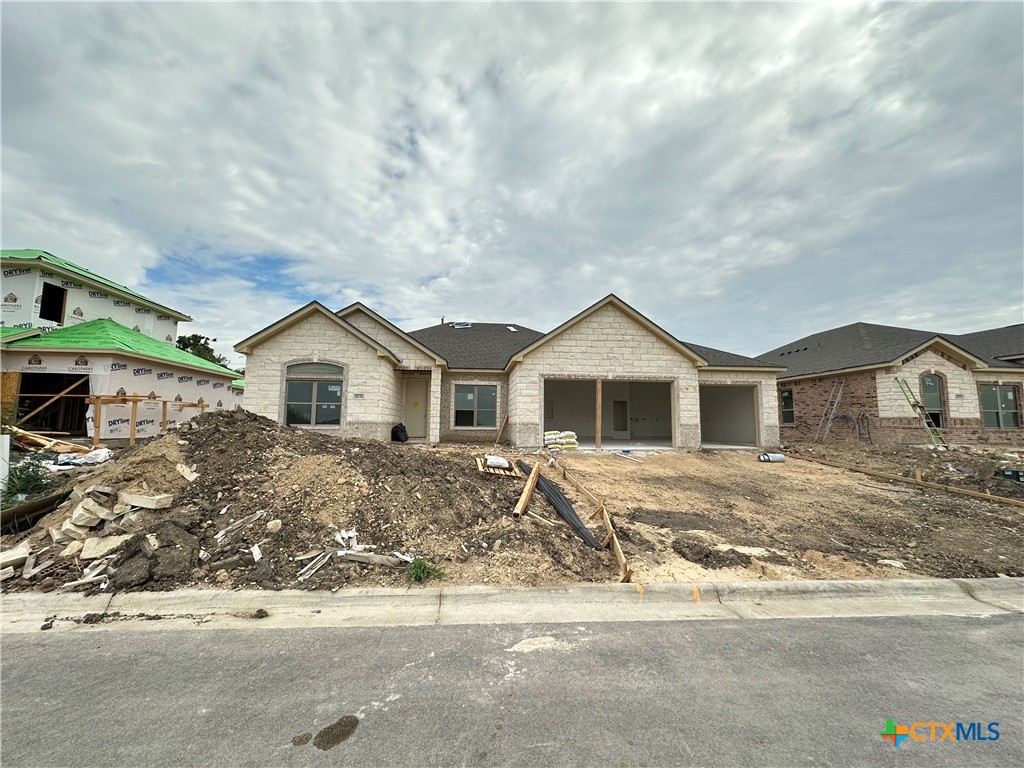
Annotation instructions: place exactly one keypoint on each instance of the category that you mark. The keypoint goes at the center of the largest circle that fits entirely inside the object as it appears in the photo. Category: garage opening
(633, 413)
(66, 414)
(728, 416)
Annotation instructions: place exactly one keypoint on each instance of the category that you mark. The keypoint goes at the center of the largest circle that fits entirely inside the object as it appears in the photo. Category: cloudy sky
(742, 174)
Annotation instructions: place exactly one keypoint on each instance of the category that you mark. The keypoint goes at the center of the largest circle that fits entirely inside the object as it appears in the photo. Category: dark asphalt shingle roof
(483, 346)
(993, 344)
(863, 344)
(718, 357)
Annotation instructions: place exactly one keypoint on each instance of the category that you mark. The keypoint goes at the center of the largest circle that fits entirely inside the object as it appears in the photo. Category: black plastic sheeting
(562, 505)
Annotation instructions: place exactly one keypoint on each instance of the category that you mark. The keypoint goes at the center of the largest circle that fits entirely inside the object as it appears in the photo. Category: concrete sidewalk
(211, 609)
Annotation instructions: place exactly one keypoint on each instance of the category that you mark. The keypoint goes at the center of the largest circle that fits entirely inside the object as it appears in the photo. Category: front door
(416, 407)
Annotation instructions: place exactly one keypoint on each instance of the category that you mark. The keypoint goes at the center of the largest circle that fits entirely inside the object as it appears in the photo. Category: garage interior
(633, 413)
(728, 416)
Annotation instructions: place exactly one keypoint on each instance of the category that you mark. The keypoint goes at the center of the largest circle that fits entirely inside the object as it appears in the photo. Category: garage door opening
(728, 417)
(633, 413)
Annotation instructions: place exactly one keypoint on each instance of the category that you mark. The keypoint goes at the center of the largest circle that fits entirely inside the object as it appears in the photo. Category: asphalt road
(785, 692)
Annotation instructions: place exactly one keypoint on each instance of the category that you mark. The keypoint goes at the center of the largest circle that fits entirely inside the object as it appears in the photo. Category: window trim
(497, 404)
(943, 397)
(285, 379)
(999, 411)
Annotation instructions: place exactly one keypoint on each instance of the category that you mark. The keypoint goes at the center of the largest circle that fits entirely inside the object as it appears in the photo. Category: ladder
(829, 414)
(937, 440)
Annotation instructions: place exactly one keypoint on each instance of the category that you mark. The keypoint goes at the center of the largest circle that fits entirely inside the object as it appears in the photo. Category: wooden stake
(163, 420)
(504, 423)
(97, 421)
(135, 413)
(597, 416)
(524, 497)
(28, 416)
(917, 475)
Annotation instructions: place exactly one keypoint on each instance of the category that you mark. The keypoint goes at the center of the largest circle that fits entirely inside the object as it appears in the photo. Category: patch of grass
(27, 478)
(419, 571)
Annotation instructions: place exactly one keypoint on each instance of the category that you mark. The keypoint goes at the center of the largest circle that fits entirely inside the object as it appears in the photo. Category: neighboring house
(69, 332)
(970, 384)
(609, 374)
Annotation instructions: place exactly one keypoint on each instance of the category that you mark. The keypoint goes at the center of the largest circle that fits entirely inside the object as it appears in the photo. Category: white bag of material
(496, 462)
(552, 433)
(568, 435)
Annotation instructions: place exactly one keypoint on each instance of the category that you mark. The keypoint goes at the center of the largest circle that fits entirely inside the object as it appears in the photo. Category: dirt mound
(285, 493)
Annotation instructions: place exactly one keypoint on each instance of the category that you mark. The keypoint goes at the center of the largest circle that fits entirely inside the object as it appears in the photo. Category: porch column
(597, 417)
(434, 414)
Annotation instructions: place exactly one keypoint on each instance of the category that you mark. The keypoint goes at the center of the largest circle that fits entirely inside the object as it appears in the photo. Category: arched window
(313, 394)
(931, 391)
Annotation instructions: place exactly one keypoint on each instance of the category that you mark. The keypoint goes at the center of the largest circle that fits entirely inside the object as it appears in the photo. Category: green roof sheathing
(240, 383)
(107, 336)
(12, 334)
(63, 264)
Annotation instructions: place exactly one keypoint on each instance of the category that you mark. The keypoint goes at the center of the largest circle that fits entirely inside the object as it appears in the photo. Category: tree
(200, 347)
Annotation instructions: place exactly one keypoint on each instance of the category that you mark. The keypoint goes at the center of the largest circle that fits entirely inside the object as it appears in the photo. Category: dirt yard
(725, 515)
(679, 516)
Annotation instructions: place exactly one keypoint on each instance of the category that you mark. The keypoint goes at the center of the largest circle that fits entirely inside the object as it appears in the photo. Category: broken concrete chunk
(15, 557)
(892, 563)
(6, 573)
(106, 490)
(160, 501)
(72, 549)
(96, 547)
(75, 531)
(149, 545)
(121, 509)
(187, 472)
(274, 526)
(83, 515)
(58, 536)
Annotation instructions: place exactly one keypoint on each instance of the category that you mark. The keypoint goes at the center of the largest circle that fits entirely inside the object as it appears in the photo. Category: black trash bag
(399, 434)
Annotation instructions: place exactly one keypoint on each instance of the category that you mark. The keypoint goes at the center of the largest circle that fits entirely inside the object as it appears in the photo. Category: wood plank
(29, 415)
(597, 416)
(371, 559)
(524, 497)
(913, 481)
(504, 423)
(135, 417)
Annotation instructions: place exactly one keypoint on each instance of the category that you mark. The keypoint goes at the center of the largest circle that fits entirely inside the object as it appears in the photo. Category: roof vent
(512, 328)
(462, 325)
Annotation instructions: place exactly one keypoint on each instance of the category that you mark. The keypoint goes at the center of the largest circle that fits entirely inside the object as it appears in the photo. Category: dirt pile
(267, 499)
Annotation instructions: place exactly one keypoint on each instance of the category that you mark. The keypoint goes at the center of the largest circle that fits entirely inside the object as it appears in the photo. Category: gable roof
(70, 268)
(718, 358)
(314, 307)
(360, 307)
(859, 345)
(481, 346)
(999, 347)
(105, 335)
(612, 299)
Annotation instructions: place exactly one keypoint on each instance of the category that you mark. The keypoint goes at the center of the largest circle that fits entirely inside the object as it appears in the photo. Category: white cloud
(722, 168)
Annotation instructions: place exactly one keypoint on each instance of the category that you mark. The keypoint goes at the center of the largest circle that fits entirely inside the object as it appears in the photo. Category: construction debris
(15, 557)
(271, 507)
(564, 507)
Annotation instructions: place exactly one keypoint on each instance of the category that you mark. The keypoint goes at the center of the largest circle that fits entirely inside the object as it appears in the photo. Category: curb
(212, 609)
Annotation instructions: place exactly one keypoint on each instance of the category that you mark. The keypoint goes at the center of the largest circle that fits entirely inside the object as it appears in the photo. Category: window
(476, 405)
(931, 390)
(51, 305)
(313, 396)
(999, 407)
(788, 412)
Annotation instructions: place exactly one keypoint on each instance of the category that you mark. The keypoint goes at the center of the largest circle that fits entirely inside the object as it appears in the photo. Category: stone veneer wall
(607, 345)
(371, 393)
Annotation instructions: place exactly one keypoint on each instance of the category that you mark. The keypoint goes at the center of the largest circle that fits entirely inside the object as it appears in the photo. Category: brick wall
(892, 420)
(809, 399)
(371, 395)
(451, 433)
(607, 345)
